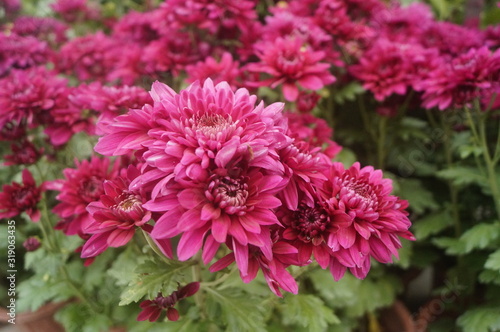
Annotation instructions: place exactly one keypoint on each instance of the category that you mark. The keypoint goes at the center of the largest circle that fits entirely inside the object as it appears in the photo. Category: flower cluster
(219, 169)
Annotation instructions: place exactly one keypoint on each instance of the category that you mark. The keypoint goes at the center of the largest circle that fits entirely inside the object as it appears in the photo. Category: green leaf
(153, 277)
(451, 245)
(73, 315)
(480, 320)
(418, 196)
(307, 311)
(432, 224)
(46, 289)
(463, 176)
(238, 310)
(124, 266)
(480, 236)
(493, 261)
(348, 92)
(490, 277)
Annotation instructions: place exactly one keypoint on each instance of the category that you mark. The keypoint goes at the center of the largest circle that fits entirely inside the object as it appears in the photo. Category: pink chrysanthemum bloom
(333, 17)
(173, 52)
(403, 24)
(309, 226)
(92, 57)
(116, 215)
(45, 28)
(107, 102)
(391, 68)
(224, 70)
(82, 185)
(456, 83)
(23, 153)
(451, 39)
(136, 27)
(18, 52)
(213, 16)
(290, 63)
(152, 309)
(369, 219)
(17, 198)
(211, 164)
(75, 10)
(28, 96)
(314, 131)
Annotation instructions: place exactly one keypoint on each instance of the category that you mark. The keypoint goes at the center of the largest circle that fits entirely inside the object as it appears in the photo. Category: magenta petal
(283, 248)
(190, 219)
(346, 236)
(238, 233)
(165, 247)
(222, 263)
(190, 243)
(241, 257)
(190, 198)
(209, 249)
(220, 228)
(95, 245)
(120, 237)
(208, 212)
(337, 270)
(311, 82)
(290, 91)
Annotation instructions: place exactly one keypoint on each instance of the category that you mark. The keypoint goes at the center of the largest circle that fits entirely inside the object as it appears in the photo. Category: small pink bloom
(290, 63)
(17, 198)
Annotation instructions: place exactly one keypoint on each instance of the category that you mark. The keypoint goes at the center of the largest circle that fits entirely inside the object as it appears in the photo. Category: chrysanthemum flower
(23, 153)
(75, 10)
(225, 70)
(17, 198)
(28, 96)
(136, 27)
(92, 57)
(456, 83)
(44, 28)
(107, 102)
(152, 309)
(369, 219)
(211, 164)
(82, 185)
(290, 63)
(20, 52)
(116, 215)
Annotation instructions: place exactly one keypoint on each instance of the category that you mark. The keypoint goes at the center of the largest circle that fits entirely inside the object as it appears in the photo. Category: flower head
(20, 52)
(290, 63)
(368, 218)
(17, 198)
(152, 309)
(115, 216)
(81, 186)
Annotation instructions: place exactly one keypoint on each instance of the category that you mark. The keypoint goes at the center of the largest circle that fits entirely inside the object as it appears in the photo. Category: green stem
(381, 140)
(451, 187)
(94, 307)
(198, 297)
(153, 246)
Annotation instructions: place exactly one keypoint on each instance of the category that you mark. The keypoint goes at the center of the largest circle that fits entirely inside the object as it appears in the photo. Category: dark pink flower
(211, 164)
(92, 57)
(82, 185)
(391, 68)
(455, 83)
(31, 244)
(369, 219)
(224, 70)
(27, 97)
(107, 102)
(290, 63)
(43, 28)
(136, 27)
(451, 39)
(23, 153)
(173, 52)
(116, 215)
(20, 52)
(314, 131)
(17, 198)
(152, 309)
(75, 10)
